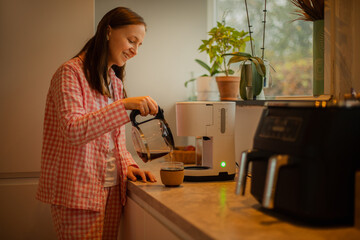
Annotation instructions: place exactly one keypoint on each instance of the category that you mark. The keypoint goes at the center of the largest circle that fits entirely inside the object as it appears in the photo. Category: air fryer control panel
(284, 128)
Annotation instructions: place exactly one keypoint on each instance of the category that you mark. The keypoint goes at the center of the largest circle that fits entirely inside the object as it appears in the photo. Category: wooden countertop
(211, 210)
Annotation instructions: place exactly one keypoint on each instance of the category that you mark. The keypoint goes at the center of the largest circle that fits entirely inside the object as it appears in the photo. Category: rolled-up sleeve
(78, 126)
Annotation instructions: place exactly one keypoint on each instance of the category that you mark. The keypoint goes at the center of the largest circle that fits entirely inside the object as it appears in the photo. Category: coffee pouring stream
(152, 138)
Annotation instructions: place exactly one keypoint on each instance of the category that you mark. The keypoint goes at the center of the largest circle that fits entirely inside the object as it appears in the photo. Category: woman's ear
(108, 32)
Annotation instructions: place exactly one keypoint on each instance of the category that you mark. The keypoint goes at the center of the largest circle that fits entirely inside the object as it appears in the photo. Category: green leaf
(236, 59)
(246, 39)
(262, 65)
(242, 48)
(203, 64)
(258, 66)
(259, 60)
(243, 84)
(257, 80)
(272, 68)
(188, 81)
(243, 54)
(243, 33)
(214, 69)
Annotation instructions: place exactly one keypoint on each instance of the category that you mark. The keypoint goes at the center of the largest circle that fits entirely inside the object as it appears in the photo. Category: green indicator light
(223, 164)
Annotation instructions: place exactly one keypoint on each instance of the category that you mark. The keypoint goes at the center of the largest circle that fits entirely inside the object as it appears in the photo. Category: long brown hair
(96, 49)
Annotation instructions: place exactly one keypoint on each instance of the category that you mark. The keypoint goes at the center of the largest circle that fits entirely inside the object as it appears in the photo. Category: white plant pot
(207, 96)
(267, 75)
(207, 89)
(261, 96)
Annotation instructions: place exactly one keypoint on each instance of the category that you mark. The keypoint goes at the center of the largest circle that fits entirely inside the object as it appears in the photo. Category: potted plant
(206, 84)
(252, 74)
(253, 70)
(225, 39)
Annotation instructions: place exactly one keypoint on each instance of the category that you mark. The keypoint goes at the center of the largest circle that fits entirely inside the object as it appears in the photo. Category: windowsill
(301, 98)
(283, 98)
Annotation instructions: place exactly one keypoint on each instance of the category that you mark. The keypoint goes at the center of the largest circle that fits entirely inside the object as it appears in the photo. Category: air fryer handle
(243, 170)
(134, 113)
(274, 164)
(248, 156)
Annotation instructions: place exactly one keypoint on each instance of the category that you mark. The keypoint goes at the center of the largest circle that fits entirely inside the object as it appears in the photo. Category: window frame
(211, 22)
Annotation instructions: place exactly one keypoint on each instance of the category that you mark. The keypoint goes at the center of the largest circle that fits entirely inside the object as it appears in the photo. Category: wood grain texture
(342, 51)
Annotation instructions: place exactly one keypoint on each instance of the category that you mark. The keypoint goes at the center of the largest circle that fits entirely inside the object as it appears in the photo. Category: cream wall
(166, 58)
(36, 37)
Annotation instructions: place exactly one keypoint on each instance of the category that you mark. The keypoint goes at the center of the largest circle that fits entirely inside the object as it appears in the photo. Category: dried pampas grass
(309, 10)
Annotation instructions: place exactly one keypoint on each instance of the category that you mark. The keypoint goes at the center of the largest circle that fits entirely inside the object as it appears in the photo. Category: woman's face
(124, 43)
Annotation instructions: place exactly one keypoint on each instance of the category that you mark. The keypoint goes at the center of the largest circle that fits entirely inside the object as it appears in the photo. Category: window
(288, 43)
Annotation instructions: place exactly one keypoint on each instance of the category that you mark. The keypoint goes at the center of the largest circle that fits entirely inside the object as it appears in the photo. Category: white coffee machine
(213, 125)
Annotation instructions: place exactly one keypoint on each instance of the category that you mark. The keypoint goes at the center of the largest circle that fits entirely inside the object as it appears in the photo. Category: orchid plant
(258, 69)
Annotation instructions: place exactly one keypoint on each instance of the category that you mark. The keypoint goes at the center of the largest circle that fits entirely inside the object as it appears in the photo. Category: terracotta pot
(228, 87)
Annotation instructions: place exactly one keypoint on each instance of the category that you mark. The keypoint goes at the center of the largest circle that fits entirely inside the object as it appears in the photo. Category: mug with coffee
(172, 173)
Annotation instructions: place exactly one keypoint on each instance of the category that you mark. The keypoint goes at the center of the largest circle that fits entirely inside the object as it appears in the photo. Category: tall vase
(318, 58)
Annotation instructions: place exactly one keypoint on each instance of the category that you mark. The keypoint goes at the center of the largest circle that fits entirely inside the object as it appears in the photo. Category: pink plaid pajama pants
(86, 224)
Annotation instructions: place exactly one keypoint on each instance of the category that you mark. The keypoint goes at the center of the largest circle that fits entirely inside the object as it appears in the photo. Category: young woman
(85, 163)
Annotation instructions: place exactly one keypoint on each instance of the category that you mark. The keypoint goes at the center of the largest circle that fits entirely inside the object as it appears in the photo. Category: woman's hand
(146, 105)
(133, 172)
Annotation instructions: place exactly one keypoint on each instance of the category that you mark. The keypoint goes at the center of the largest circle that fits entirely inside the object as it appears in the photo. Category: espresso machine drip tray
(197, 167)
(208, 175)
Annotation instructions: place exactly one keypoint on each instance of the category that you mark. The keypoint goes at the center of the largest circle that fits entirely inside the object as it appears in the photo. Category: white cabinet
(22, 216)
(138, 224)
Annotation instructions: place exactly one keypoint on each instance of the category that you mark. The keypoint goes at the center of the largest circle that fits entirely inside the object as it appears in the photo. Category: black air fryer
(304, 161)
